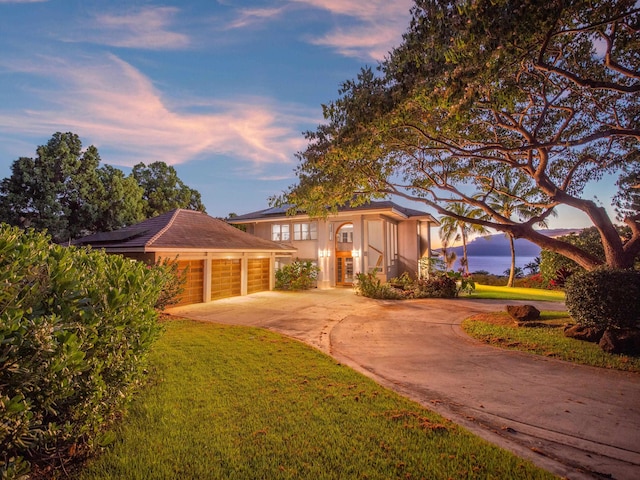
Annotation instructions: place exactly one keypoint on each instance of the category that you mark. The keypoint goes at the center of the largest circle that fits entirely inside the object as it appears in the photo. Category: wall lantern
(355, 253)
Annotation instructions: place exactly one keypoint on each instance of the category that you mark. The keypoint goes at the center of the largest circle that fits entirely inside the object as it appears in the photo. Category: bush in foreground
(75, 325)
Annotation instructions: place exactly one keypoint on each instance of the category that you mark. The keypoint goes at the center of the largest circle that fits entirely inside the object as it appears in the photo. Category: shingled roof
(180, 229)
(382, 205)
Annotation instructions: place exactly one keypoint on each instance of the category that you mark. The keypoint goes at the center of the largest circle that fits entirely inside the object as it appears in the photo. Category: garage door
(258, 275)
(194, 285)
(225, 279)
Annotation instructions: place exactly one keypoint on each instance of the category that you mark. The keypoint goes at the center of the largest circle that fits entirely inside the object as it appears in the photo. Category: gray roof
(279, 212)
(178, 229)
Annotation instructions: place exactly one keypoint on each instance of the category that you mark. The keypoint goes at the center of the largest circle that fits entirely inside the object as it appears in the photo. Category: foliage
(173, 282)
(604, 298)
(163, 190)
(558, 268)
(453, 229)
(369, 285)
(298, 275)
(436, 286)
(65, 192)
(75, 326)
(516, 272)
(532, 281)
(480, 90)
(533, 266)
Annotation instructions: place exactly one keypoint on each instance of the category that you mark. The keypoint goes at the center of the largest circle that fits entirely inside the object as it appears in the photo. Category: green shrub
(436, 286)
(298, 275)
(489, 279)
(369, 285)
(75, 325)
(173, 282)
(604, 298)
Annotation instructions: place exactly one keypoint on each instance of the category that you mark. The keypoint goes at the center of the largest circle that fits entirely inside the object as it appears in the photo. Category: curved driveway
(577, 422)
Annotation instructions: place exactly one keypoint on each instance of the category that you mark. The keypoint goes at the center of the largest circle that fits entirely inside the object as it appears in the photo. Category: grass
(235, 403)
(499, 330)
(515, 293)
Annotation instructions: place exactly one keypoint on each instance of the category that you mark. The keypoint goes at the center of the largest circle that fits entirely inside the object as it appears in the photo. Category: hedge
(75, 325)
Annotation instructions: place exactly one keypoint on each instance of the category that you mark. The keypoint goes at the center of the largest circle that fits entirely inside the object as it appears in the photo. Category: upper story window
(280, 233)
(305, 231)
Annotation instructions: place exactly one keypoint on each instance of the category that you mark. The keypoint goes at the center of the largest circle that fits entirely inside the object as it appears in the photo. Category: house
(380, 236)
(222, 260)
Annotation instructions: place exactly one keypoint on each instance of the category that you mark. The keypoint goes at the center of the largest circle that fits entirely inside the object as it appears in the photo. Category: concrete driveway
(577, 422)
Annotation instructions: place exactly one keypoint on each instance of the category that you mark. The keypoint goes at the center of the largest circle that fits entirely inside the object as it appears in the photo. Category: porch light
(355, 253)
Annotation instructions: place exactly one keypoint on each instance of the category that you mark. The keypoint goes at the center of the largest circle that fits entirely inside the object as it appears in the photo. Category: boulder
(621, 341)
(580, 332)
(523, 313)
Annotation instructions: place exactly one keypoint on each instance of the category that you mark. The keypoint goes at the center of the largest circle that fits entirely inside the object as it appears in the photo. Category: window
(305, 231)
(280, 233)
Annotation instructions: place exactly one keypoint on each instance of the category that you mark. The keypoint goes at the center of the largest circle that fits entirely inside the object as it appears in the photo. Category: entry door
(344, 268)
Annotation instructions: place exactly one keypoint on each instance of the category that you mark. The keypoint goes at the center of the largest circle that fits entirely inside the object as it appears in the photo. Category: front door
(344, 257)
(344, 268)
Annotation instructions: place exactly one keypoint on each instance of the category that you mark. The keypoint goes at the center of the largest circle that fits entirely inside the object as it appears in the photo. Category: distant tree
(55, 191)
(533, 266)
(510, 195)
(163, 190)
(239, 226)
(515, 272)
(119, 200)
(455, 229)
(448, 255)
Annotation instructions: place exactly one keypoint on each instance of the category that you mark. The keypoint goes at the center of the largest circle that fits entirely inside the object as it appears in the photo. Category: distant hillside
(498, 245)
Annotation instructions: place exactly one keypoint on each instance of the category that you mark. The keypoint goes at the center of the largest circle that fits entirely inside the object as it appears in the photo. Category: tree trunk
(465, 258)
(512, 272)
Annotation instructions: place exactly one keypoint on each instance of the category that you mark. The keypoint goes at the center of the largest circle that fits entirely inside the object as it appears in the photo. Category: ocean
(494, 265)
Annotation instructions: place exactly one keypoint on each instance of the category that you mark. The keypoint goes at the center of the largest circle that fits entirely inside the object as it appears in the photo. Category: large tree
(478, 89)
(55, 190)
(163, 189)
(65, 191)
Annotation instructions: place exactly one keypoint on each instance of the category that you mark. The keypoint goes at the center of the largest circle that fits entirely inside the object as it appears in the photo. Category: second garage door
(258, 275)
(225, 278)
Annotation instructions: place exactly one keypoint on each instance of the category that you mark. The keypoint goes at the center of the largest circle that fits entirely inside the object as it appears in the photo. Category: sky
(222, 90)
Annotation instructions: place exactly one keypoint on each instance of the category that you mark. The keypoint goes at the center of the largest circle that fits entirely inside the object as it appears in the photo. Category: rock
(621, 341)
(523, 313)
(580, 332)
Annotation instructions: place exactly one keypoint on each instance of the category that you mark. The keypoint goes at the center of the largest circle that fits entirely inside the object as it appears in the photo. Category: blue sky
(220, 89)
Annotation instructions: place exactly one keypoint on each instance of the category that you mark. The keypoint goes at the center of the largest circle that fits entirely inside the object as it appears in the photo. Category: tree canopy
(545, 91)
(163, 190)
(64, 190)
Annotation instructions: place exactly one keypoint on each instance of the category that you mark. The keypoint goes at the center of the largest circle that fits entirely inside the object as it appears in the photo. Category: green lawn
(497, 329)
(235, 403)
(506, 293)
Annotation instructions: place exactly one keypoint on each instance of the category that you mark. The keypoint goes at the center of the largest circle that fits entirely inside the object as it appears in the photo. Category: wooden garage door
(225, 279)
(258, 275)
(194, 285)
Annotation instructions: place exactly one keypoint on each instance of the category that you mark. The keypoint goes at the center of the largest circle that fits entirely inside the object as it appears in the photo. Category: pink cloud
(112, 104)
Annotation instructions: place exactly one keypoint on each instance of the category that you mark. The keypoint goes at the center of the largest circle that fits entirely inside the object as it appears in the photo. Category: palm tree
(448, 255)
(454, 230)
(510, 195)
